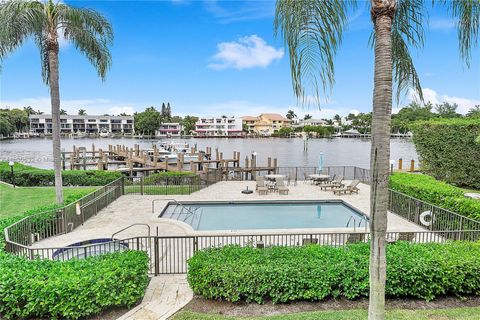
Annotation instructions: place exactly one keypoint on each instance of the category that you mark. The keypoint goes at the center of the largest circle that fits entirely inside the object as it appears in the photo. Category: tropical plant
(312, 30)
(188, 124)
(46, 21)
(82, 112)
(63, 112)
(307, 116)
(148, 121)
(474, 112)
(29, 110)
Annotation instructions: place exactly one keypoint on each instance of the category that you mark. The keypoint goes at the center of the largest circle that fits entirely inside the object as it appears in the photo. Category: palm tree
(312, 29)
(63, 112)
(29, 110)
(88, 30)
(82, 112)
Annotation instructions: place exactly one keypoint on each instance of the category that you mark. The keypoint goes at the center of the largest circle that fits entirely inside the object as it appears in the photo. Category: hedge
(170, 176)
(436, 192)
(285, 274)
(449, 149)
(27, 176)
(70, 289)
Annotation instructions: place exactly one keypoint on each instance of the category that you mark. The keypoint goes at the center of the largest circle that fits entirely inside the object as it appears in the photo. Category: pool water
(242, 216)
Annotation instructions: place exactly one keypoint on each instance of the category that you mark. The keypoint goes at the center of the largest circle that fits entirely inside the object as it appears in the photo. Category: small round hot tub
(89, 248)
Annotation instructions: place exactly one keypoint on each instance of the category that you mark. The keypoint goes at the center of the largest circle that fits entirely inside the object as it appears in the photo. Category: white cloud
(248, 52)
(92, 106)
(442, 24)
(464, 104)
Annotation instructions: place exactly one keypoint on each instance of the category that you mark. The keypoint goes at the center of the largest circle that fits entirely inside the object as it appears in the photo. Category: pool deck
(131, 209)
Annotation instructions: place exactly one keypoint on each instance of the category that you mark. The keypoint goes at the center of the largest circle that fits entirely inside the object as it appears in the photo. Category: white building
(169, 129)
(218, 127)
(42, 123)
(312, 122)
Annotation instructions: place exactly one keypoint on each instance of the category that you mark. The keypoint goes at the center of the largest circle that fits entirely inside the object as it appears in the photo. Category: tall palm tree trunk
(55, 101)
(382, 16)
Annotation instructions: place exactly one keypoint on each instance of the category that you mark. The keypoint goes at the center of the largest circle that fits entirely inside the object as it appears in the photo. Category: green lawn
(436, 314)
(15, 201)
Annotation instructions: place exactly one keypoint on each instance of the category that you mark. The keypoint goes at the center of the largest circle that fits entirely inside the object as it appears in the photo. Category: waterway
(289, 152)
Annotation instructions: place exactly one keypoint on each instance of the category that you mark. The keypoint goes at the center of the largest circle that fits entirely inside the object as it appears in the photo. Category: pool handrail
(132, 225)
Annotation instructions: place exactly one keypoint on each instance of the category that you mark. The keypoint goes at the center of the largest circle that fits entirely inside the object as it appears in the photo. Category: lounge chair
(351, 188)
(340, 239)
(282, 189)
(336, 183)
(260, 187)
(356, 237)
(309, 241)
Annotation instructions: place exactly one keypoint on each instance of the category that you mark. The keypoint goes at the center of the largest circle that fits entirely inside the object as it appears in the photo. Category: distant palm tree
(29, 110)
(312, 29)
(45, 21)
(62, 113)
(82, 112)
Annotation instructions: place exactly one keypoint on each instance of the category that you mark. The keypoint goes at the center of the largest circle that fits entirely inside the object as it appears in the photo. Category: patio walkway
(165, 295)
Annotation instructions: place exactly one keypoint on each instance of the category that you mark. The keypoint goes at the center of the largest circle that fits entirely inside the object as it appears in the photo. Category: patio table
(274, 177)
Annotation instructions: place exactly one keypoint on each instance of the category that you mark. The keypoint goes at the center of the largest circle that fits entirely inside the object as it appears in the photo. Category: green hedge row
(284, 274)
(70, 289)
(436, 192)
(449, 149)
(171, 177)
(27, 176)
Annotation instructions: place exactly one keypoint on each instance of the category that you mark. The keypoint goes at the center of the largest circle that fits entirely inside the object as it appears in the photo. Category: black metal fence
(428, 215)
(163, 185)
(62, 220)
(169, 255)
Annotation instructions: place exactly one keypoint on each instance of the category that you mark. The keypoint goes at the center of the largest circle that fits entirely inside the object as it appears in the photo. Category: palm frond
(90, 32)
(312, 30)
(18, 21)
(467, 15)
(407, 32)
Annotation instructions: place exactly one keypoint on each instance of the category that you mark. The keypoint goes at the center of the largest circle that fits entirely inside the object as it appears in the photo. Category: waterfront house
(169, 129)
(218, 127)
(266, 123)
(69, 124)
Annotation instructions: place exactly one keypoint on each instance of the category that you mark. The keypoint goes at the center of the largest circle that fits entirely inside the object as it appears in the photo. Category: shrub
(171, 177)
(27, 176)
(436, 192)
(284, 274)
(449, 151)
(70, 289)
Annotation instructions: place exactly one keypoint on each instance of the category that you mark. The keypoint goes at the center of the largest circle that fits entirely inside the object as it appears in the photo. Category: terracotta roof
(273, 116)
(249, 118)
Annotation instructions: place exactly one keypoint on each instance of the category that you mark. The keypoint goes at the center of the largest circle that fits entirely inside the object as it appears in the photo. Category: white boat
(104, 133)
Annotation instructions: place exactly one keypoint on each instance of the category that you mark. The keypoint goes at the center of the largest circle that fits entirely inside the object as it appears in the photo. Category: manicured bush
(284, 274)
(27, 176)
(450, 149)
(436, 192)
(170, 177)
(70, 289)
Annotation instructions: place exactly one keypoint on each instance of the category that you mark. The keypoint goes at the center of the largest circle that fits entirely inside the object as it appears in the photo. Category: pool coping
(190, 231)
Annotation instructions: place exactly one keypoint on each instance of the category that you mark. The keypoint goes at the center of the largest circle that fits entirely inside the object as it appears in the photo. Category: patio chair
(306, 178)
(282, 189)
(351, 188)
(355, 237)
(336, 183)
(309, 241)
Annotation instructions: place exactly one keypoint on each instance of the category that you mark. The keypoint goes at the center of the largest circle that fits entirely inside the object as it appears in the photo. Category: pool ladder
(352, 218)
(133, 225)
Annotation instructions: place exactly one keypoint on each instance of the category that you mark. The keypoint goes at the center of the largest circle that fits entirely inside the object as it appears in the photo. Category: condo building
(42, 124)
(169, 129)
(218, 127)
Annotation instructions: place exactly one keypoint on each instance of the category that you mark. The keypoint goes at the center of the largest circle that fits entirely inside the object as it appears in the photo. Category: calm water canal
(289, 152)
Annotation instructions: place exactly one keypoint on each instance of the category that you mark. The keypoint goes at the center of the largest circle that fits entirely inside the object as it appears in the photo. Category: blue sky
(221, 58)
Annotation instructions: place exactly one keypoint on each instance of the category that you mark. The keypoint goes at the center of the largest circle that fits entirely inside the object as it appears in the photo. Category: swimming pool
(265, 215)
(89, 248)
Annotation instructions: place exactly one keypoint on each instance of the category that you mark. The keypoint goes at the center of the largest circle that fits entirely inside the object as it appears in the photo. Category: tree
(285, 131)
(447, 110)
(176, 119)
(62, 113)
(338, 119)
(312, 30)
(188, 124)
(291, 115)
(307, 116)
(29, 110)
(18, 119)
(474, 112)
(90, 32)
(148, 121)
(39, 112)
(124, 114)
(82, 112)
(6, 128)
